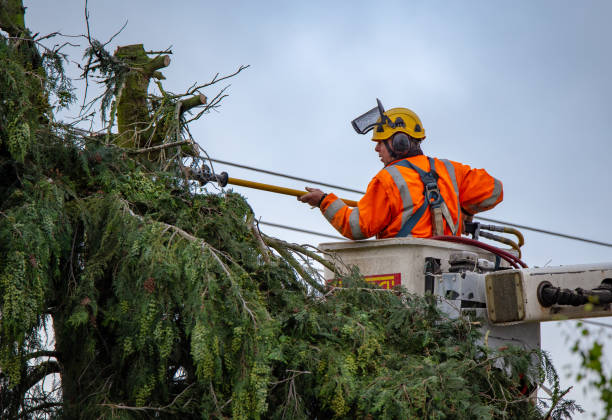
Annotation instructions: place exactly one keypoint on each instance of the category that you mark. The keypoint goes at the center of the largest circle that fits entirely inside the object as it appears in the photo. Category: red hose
(511, 259)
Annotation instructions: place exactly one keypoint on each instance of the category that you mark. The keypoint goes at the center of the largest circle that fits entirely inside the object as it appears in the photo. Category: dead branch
(216, 79)
(159, 147)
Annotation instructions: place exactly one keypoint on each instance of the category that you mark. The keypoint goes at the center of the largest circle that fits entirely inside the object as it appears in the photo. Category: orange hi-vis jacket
(396, 192)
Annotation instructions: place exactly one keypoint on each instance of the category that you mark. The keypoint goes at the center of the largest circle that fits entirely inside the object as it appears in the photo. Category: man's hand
(312, 197)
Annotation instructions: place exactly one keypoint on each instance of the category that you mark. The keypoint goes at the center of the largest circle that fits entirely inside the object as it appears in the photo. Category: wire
(548, 232)
(599, 324)
(237, 165)
(301, 230)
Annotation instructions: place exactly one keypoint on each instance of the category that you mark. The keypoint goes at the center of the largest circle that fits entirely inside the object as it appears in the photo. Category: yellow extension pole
(277, 189)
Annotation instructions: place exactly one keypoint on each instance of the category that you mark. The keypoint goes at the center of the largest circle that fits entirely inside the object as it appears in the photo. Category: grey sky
(520, 88)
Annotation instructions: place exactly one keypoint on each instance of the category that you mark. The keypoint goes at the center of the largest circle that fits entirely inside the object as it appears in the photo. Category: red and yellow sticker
(385, 281)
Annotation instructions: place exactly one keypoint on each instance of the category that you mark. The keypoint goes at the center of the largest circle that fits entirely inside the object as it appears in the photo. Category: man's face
(383, 152)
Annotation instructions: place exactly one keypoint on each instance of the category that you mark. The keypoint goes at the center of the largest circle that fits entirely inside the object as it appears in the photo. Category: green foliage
(112, 73)
(594, 367)
(164, 303)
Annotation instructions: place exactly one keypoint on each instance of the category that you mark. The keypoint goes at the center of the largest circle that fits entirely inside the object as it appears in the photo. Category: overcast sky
(519, 88)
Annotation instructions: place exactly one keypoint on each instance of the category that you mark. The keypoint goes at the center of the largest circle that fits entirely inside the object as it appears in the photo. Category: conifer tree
(166, 301)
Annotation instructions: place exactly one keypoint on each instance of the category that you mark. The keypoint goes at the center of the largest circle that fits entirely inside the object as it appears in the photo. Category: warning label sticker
(385, 281)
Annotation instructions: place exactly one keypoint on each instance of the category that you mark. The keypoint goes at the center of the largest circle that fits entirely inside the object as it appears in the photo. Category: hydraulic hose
(506, 229)
(511, 259)
(503, 240)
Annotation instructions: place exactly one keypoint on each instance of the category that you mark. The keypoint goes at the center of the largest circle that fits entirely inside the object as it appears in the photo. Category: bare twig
(216, 79)
(159, 147)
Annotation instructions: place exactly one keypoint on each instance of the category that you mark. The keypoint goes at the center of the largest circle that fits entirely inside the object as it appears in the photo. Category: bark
(12, 17)
(133, 116)
(192, 102)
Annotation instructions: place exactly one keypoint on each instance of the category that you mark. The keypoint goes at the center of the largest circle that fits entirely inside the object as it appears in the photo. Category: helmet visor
(367, 121)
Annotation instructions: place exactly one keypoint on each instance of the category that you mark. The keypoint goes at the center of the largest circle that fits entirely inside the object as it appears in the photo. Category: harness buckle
(432, 194)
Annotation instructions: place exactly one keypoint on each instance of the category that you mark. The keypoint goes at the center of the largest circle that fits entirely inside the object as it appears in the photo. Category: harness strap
(433, 199)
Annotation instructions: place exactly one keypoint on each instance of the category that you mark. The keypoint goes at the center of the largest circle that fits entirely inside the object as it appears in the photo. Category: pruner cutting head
(204, 175)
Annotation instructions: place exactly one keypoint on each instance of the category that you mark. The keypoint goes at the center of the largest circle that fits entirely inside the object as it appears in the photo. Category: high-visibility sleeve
(370, 216)
(478, 191)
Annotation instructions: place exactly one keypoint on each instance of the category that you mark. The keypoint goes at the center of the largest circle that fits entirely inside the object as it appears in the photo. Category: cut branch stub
(194, 101)
(133, 117)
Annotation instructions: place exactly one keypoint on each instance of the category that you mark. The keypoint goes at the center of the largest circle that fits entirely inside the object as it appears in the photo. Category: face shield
(374, 117)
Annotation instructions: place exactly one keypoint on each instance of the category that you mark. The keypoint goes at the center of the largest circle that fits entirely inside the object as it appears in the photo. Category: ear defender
(400, 143)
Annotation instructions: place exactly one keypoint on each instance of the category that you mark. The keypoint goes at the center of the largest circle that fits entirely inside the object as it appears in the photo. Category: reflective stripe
(472, 210)
(449, 218)
(400, 183)
(497, 189)
(450, 168)
(354, 224)
(333, 208)
(451, 172)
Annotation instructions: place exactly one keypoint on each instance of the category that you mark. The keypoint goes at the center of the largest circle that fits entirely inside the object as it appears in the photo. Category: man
(413, 195)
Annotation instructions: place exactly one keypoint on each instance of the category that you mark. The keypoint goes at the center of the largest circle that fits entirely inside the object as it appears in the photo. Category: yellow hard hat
(398, 120)
(386, 123)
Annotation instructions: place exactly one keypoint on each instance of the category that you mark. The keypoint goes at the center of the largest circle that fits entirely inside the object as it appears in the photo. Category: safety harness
(433, 200)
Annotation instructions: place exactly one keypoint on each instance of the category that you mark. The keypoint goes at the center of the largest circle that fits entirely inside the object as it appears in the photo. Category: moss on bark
(133, 113)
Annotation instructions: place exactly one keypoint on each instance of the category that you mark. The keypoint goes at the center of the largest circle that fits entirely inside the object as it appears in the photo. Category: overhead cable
(599, 324)
(301, 230)
(237, 165)
(546, 232)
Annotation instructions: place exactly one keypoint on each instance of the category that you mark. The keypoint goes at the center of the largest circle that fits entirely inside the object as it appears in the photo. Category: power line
(546, 232)
(312, 232)
(599, 324)
(237, 165)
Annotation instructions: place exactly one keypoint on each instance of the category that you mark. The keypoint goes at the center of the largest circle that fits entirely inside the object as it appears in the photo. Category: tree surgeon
(413, 195)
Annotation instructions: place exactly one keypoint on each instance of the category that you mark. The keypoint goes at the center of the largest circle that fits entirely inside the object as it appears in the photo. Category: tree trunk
(133, 115)
(12, 17)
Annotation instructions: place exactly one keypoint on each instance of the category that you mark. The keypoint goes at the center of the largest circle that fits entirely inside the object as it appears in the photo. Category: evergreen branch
(185, 235)
(210, 249)
(265, 252)
(204, 245)
(301, 250)
(555, 401)
(296, 266)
